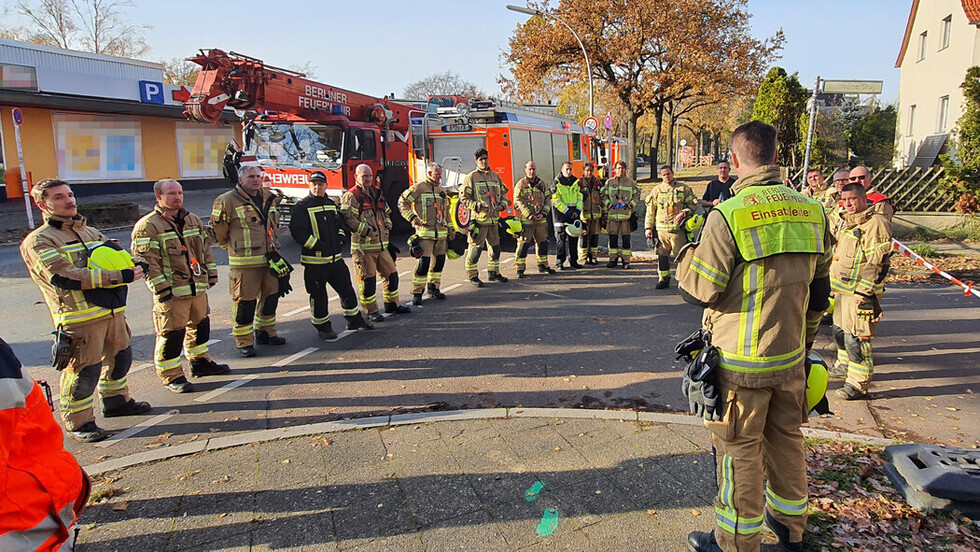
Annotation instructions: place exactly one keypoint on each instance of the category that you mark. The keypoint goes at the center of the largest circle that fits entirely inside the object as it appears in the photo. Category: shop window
(96, 147)
(201, 149)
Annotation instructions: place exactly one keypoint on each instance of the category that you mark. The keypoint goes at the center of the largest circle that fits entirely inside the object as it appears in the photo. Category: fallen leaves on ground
(905, 269)
(854, 506)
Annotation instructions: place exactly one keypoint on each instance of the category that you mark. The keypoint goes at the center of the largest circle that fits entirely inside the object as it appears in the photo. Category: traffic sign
(608, 122)
(683, 142)
(592, 123)
(18, 116)
(851, 87)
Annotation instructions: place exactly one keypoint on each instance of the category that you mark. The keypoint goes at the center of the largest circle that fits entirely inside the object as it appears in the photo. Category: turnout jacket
(620, 196)
(565, 196)
(484, 193)
(591, 198)
(178, 252)
(532, 198)
(56, 258)
(426, 207)
(665, 201)
(315, 223)
(759, 252)
(861, 258)
(38, 477)
(369, 217)
(246, 227)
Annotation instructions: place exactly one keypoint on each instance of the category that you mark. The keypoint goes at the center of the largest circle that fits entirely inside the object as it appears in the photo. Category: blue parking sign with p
(151, 92)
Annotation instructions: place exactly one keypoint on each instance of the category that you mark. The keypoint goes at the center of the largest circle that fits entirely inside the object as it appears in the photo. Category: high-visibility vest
(566, 196)
(771, 220)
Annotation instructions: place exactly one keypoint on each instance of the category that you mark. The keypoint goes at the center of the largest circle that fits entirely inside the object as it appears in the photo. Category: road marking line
(297, 311)
(507, 260)
(212, 342)
(340, 336)
(143, 366)
(297, 356)
(450, 288)
(138, 428)
(222, 390)
(401, 274)
(541, 292)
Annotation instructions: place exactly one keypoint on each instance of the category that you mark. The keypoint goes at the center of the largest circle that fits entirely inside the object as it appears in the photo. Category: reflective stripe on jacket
(862, 253)
(483, 193)
(665, 201)
(758, 253)
(316, 225)
(243, 229)
(591, 198)
(563, 197)
(368, 215)
(57, 262)
(178, 252)
(620, 196)
(426, 207)
(531, 198)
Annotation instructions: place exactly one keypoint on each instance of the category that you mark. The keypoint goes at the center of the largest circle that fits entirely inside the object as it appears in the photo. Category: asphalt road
(594, 338)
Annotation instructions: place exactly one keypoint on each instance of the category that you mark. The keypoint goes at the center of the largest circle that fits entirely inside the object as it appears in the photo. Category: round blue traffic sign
(18, 116)
(608, 122)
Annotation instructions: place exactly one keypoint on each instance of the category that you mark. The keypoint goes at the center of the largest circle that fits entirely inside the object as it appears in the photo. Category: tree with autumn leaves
(651, 55)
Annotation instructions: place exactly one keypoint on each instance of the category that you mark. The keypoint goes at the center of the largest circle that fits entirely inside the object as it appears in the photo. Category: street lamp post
(588, 66)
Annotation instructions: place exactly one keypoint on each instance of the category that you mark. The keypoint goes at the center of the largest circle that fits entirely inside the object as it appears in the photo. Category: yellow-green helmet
(514, 226)
(456, 247)
(109, 255)
(816, 380)
(692, 225)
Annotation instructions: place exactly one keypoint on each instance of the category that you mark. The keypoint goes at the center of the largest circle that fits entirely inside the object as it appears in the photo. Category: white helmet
(574, 228)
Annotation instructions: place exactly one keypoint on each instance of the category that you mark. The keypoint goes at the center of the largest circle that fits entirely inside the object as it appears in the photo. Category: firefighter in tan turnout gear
(857, 275)
(367, 213)
(426, 206)
(761, 254)
(588, 251)
(180, 270)
(532, 200)
(484, 194)
(88, 304)
(668, 204)
(620, 196)
(245, 222)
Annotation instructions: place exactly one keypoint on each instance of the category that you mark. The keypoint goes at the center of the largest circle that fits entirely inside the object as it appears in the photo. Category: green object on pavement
(532, 494)
(549, 522)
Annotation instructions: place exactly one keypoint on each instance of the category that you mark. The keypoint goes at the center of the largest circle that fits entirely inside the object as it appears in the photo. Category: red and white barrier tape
(904, 250)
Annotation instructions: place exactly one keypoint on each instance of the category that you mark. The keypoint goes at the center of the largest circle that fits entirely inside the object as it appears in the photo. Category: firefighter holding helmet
(87, 301)
(484, 193)
(620, 196)
(532, 201)
(668, 205)
(426, 206)
(180, 271)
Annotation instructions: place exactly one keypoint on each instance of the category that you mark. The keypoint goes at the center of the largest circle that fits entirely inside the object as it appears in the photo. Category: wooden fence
(912, 189)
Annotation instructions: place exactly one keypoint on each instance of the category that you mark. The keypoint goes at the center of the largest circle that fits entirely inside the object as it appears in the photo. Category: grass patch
(103, 494)
(968, 229)
(924, 250)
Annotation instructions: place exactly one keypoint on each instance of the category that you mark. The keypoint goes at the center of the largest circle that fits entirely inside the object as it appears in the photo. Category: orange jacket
(40, 482)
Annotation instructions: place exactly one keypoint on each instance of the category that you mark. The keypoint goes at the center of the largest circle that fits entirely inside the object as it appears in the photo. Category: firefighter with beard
(532, 200)
(668, 204)
(483, 193)
(566, 208)
(426, 206)
(591, 187)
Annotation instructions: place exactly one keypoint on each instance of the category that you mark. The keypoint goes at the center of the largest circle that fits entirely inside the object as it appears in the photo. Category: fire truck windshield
(298, 145)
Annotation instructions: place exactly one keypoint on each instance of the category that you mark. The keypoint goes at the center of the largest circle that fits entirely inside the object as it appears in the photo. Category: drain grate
(936, 478)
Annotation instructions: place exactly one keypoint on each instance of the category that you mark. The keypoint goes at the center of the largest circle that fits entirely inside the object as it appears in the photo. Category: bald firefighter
(668, 204)
(620, 196)
(180, 271)
(877, 200)
(87, 305)
(566, 208)
(532, 200)
(857, 276)
(761, 254)
(366, 211)
(245, 222)
(485, 195)
(426, 206)
(591, 187)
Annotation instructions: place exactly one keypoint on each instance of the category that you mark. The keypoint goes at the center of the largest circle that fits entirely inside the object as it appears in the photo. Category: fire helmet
(574, 228)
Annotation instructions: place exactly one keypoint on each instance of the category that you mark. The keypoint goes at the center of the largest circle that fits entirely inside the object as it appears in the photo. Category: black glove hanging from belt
(281, 269)
(699, 381)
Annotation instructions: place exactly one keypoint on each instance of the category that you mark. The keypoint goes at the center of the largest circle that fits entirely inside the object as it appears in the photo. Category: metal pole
(809, 132)
(588, 64)
(23, 174)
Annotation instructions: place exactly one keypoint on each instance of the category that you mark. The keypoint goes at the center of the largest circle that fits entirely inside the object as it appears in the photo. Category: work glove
(279, 266)
(63, 349)
(703, 399)
(653, 242)
(866, 310)
(284, 287)
(165, 295)
(393, 251)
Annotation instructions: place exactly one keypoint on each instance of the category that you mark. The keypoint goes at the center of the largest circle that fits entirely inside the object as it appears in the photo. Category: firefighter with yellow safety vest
(566, 209)
(591, 187)
(181, 269)
(366, 212)
(43, 490)
(315, 223)
(532, 201)
(668, 205)
(857, 276)
(245, 222)
(485, 195)
(87, 301)
(620, 196)
(760, 254)
(426, 206)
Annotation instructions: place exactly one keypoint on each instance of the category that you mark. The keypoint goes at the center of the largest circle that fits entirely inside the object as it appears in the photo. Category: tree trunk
(670, 140)
(631, 141)
(658, 114)
(718, 147)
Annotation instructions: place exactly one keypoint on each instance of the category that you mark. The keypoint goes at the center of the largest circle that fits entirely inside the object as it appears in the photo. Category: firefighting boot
(417, 299)
(521, 275)
(497, 277)
(357, 322)
(433, 291)
(262, 337)
(699, 541)
(201, 367)
(782, 534)
(115, 406)
(612, 263)
(325, 331)
(664, 283)
(545, 269)
(89, 433)
(395, 308)
(181, 385)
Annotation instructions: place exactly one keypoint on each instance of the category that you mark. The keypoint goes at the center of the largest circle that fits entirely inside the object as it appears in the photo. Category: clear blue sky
(379, 46)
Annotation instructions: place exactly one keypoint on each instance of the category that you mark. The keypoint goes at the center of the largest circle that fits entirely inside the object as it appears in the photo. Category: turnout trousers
(758, 439)
(367, 266)
(255, 297)
(316, 277)
(589, 240)
(853, 337)
(427, 272)
(536, 232)
(102, 359)
(619, 230)
(486, 237)
(180, 323)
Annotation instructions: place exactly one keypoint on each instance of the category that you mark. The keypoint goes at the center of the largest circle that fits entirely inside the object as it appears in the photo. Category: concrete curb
(424, 418)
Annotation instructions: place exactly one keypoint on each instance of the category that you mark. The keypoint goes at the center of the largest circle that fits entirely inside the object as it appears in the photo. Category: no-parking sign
(18, 116)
